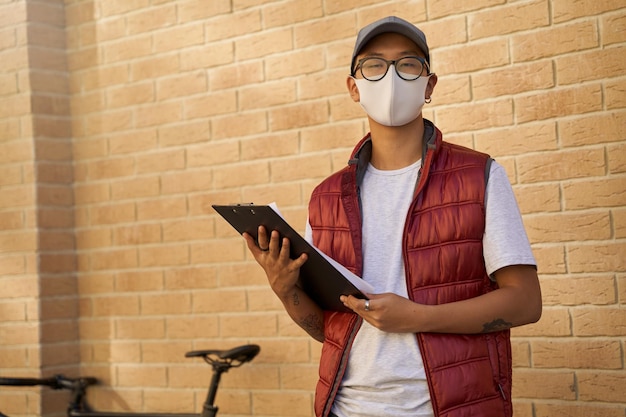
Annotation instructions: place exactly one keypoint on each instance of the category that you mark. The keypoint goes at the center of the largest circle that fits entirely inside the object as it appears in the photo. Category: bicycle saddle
(241, 354)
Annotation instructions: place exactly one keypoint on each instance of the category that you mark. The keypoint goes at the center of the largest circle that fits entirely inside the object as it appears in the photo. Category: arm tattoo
(295, 298)
(313, 325)
(496, 325)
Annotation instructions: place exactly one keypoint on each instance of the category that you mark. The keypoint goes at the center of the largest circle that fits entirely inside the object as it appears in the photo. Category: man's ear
(432, 82)
(353, 89)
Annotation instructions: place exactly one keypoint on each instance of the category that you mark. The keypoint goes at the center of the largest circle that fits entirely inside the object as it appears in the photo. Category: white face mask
(392, 101)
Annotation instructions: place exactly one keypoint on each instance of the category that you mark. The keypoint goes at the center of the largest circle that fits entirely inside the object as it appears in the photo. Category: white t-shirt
(385, 375)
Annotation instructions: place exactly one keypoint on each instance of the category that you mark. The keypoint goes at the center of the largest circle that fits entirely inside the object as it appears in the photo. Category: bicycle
(220, 360)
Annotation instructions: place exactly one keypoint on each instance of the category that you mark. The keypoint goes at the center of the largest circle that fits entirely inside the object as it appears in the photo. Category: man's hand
(387, 312)
(273, 256)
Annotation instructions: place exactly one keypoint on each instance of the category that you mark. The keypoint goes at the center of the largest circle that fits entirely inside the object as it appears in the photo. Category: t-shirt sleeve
(505, 241)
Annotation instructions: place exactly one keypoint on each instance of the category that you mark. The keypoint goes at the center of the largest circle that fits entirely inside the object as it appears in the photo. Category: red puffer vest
(468, 375)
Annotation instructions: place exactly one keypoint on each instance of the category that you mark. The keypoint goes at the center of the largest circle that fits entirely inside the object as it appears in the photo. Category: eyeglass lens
(408, 68)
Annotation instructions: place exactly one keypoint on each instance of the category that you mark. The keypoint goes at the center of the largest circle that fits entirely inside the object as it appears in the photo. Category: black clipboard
(318, 277)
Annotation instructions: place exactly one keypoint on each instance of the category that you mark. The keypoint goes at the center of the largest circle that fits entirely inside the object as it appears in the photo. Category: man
(435, 228)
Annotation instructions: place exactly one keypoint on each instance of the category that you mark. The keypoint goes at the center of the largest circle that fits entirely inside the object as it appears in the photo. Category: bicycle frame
(220, 360)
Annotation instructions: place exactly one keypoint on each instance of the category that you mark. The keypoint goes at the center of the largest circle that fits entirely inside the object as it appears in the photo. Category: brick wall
(122, 121)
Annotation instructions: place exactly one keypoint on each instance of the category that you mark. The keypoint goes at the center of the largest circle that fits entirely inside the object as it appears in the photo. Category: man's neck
(396, 147)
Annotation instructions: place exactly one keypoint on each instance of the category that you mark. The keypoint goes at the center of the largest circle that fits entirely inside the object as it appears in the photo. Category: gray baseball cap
(389, 24)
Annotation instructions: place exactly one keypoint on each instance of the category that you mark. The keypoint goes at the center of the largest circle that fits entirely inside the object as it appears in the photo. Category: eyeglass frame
(389, 62)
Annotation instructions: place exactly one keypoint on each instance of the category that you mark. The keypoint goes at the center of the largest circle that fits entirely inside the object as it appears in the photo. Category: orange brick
(112, 213)
(135, 188)
(592, 129)
(590, 321)
(158, 113)
(18, 241)
(150, 19)
(301, 377)
(129, 95)
(241, 175)
(191, 10)
(165, 304)
(554, 384)
(135, 234)
(228, 76)
(601, 386)
(508, 19)
(614, 95)
(228, 26)
(280, 403)
(243, 124)
(140, 328)
(143, 376)
(601, 192)
(299, 115)
(192, 327)
(188, 132)
(482, 116)
(164, 208)
(246, 325)
(513, 80)
(613, 28)
(515, 140)
(127, 49)
(214, 153)
(562, 165)
(322, 84)
(269, 146)
(164, 256)
(91, 193)
(555, 40)
(577, 409)
(293, 11)
(165, 160)
(183, 84)
(214, 55)
(558, 103)
(120, 305)
(441, 8)
(563, 10)
(218, 250)
(211, 104)
(267, 95)
(111, 121)
(55, 196)
(169, 400)
(577, 354)
(289, 169)
(113, 259)
(619, 222)
(603, 257)
(178, 37)
(196, 277)
(263, 44)
(217, 301)
(186, 230)
(322, 31)
(573, 69)
(153, 66)
(295, 63)
(454, 60)
(579, 290)
(133, 141)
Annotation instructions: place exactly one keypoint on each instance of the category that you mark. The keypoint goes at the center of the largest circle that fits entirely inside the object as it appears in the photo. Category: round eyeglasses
(408, 68)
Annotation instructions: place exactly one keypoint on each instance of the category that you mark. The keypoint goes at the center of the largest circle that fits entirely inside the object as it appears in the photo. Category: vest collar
(362, 153)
